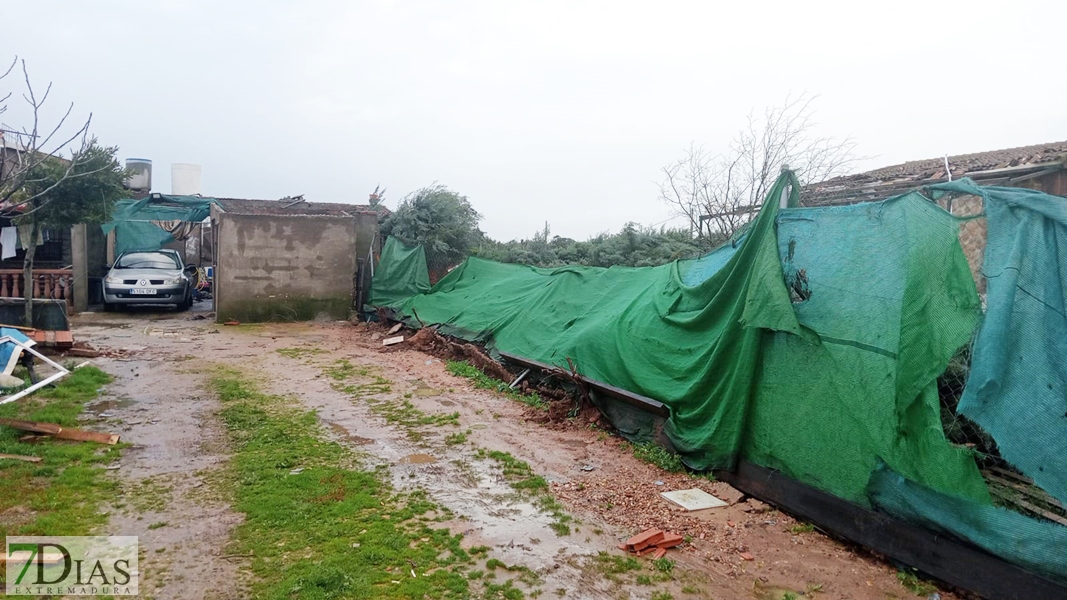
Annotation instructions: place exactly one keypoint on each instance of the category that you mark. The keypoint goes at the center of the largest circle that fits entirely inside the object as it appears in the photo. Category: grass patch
(462, 368)
(914, 584)
(615, 564)
(403, 413)
(333, 530)
(300, 352)
(455, 439)
(663, 565)
(343, 369)
(522, 478)
(654, 454)
(800, 528)
(59, 495)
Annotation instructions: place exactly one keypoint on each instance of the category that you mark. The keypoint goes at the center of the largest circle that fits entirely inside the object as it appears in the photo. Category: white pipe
(63, 372)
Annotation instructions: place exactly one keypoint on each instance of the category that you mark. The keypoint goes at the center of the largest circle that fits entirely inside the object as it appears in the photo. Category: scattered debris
(392, 340)
(63, 433)
(693, 499)
(59, 339)
(232, 323)
(519, 379)
(587, 468)
(394, 329)
(12, 348)
(10, 381)
(297, 471)
(32, 459)
(747, 556)
(652, 541)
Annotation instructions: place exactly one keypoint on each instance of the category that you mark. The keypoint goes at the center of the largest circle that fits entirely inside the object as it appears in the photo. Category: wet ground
(161, 404)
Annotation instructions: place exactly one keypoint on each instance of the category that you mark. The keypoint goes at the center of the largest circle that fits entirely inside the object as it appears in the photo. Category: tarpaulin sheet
(1033, 544)
(133, 224)
(821, 386)
(889, 300)
(1017, 388)
(400, 276)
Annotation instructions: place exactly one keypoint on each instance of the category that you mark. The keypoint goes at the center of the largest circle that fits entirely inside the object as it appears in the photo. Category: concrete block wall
(283, 268)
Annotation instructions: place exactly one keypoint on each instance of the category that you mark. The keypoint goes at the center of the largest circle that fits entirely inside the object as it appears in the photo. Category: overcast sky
(537, 111)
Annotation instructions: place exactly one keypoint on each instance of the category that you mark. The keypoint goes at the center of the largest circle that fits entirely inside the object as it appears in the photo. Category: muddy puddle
(106, 407)
(350, 437)
(417, 459)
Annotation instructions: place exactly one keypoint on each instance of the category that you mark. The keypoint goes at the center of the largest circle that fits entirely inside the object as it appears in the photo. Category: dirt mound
(429, 341)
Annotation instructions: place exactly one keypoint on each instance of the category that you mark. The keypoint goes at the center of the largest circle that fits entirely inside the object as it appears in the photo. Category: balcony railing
(53, 284)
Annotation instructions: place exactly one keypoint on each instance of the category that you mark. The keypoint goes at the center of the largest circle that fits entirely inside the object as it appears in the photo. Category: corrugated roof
(888, 181)
(291, 206)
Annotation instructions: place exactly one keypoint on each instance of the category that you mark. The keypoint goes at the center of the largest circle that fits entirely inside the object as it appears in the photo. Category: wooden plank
(63, 433)
(49, 428)
(1029, 489)
(1027, 506)
(393, 340)
(643, 402)
(32, 459)
(955, 562)
(80, 435)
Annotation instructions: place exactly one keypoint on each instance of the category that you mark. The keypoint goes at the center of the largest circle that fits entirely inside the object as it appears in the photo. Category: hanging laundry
(8, 240)
(25, 231)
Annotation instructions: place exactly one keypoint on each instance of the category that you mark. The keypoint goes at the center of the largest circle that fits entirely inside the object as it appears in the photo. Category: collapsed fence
(846, 348)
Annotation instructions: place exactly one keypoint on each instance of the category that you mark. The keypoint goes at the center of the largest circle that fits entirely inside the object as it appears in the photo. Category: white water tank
(140, 170)
(184, 179)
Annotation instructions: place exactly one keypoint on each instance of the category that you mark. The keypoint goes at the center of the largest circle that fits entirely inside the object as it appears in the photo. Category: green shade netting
(132, 220)
(399, 277)
(891, 299)
(822, 388)
(1039, 546)
(1017, 388)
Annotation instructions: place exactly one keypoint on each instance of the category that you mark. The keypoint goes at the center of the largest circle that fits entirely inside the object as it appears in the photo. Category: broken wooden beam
(31, 426)
(392, 340)
(643, 402)
(63, 433)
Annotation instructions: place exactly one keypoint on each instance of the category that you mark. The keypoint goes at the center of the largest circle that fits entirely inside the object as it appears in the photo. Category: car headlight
(172, 280)
(113, 280)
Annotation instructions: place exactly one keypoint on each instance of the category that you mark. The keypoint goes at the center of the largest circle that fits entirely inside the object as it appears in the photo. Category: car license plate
(143, 292)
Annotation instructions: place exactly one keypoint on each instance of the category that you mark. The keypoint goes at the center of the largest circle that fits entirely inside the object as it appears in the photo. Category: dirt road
(161, 402)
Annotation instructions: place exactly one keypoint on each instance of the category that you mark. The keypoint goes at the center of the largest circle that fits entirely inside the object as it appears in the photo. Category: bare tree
(33, 165)
(718, 194)
(23, 150)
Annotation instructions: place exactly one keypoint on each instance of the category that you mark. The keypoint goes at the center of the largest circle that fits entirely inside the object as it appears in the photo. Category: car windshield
(147, 260)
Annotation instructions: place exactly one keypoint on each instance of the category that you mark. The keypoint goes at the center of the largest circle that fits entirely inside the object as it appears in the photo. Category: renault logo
(142, 282)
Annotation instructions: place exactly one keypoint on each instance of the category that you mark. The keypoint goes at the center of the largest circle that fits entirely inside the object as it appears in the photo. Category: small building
(289, 259)
(1040, 167)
